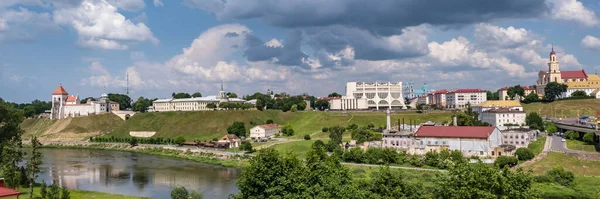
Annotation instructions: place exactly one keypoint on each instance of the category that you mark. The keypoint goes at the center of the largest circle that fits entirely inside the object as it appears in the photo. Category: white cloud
(158, 3)
(590, 42)
(572, 10)
(128, 5)
(3, 25)
(102, 44)
(499, 37)
(23, 24)
(99, 21)
(273, 43)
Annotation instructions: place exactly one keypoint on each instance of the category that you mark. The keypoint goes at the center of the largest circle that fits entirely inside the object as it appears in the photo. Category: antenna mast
(127, 79)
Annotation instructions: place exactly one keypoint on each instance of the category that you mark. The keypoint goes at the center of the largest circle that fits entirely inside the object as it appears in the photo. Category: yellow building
(590, 87)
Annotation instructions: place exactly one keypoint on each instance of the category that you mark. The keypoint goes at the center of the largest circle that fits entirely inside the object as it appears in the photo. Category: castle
(64, 106)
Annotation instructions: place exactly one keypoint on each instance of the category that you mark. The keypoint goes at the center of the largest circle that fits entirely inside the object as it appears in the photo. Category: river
(134, 174)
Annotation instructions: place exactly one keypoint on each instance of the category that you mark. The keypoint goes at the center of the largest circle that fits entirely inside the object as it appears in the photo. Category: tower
(553, 68)
(222, 95)
(59, 98)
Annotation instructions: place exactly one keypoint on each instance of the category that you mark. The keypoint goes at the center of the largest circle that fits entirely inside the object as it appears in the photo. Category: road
(394, 167)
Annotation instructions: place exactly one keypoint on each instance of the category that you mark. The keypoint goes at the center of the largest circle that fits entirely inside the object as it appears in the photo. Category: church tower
(222, 95)
(553, 68)
(59, 98)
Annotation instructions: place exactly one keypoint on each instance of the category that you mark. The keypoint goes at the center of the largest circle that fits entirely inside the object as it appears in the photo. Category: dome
(104, 95)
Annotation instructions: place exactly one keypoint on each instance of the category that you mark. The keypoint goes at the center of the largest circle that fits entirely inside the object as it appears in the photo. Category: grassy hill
(79, 128)
(565, 108)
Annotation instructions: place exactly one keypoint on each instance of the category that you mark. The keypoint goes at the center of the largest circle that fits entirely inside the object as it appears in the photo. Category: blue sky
(294, 46)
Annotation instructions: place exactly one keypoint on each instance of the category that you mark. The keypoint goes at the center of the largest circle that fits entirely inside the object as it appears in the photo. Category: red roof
(329, 98)
(440, 92)
(8, 192)
(71, 99)
(573, 74)
(60, 91)
(524, 88)
(476, 90)
(480, 132)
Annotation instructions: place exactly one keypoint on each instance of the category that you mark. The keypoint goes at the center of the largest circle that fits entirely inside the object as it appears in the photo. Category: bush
(246, 146)
(179, 140)
(503, 161)
(287, 130)
(524, 154)
(589, 137)
(324, 129)
(561, 176)
(319, 143)
(195, 195)
(179, 193)
(571, 135)
(306, 137)
(133, 141)
(269, 121)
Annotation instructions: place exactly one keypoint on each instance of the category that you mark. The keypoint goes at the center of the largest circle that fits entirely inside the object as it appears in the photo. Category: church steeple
(554, 74)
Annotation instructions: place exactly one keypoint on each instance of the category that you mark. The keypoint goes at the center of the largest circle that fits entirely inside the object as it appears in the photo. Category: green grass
(585, 187)
(300, 148)
(564, 108)
(36, 126)
(572, 164)
(95, 123)
(580, 146)
(537, 146)
(78, 194)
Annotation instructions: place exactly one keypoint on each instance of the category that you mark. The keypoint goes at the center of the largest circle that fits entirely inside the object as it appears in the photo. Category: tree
(551, 128)
(322, 105)
(363, 135)
(133, 141)
(572, 135)
(141, 104)
(306, 137)
(511, 92)
(579, 94)
(123, 100)
(503, 161)
(396, 185)
(524, 154)
(589, 137)
(491, 95)
(531, 97)
(287, 130)
(534, 121)
(64, 193)
(179, 140)
(179, 193)
(10, 142)
(334, 94)
(29, 111)
(561, 176)
(43, 189)
(246, 146)
(54, 192)
(197, 94)
(269, 121)
(34, 163)
(554, 90)
(211, 105)
(181, 95)
(335, 137)
(518, 91)
(231, 95)
(195, 195)
(294, 108)
(419, 107)
(237, 128)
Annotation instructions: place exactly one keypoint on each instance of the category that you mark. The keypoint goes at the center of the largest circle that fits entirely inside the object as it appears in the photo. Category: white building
(194, 103)
(503, 92)
(519, 137)
(479, 141)
(504, 116)
(494, 104)
(423, 99)
(264, 131)
(361, 95)
(459, 98)
(64, 106)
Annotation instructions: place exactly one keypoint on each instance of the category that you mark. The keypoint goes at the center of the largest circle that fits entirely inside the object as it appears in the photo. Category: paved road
(394, 167)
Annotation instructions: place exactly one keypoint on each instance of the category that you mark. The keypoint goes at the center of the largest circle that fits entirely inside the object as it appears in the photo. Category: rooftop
(477, 132)
(527, 88)
(468, 90)
(500, 103)
(72, 98)
(270, 126)
(60, 91)
(573, 74)
(504, 110)
(8, 192)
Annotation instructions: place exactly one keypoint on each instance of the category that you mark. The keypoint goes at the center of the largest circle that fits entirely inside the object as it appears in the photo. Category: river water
(134, 174)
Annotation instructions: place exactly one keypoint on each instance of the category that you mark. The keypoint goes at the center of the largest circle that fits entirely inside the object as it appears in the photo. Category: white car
(563, 140)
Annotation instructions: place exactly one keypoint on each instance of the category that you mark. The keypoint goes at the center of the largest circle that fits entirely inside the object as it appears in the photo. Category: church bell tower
(553, 68)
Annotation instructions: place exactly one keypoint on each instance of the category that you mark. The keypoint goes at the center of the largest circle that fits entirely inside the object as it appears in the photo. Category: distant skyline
(294, 46)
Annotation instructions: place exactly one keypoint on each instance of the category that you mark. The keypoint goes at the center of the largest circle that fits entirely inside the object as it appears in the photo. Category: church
(65, 105)
(554, 74)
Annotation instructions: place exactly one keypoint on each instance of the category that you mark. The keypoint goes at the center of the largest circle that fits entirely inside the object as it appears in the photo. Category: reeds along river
(134, 174)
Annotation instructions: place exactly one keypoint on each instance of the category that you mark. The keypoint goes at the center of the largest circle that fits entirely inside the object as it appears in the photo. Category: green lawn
(537, 146)
(578, 167)
(580, 146)
(564, 108)
(585, 187)
(78, 194)
(300, 148)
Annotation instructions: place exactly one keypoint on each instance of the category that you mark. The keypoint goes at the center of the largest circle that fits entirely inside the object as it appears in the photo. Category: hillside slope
(70, 129)
(565, 108)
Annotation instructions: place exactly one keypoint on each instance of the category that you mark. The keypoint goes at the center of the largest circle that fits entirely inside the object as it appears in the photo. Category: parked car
(563, 140)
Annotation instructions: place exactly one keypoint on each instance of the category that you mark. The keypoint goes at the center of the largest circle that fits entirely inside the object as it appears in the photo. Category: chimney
(454, 121)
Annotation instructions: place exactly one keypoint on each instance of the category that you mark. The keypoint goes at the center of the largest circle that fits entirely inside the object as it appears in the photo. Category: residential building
(230, 141)
(554, 74)
(492, 104)
(591, 87)
(438, 98)
(459, 98)
(65, 105)
(194, 103)
(503, 117)
(361, 95)
(6, 193)
(423, 100)
(400, 140)
(518, 137)
(503, 92)
(482, 141)
(265, 131)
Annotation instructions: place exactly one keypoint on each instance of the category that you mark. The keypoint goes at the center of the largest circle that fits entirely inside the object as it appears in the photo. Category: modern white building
(482, 141)
(591, 87)
(504, 116)
(264, 131)
(459, 98)
(194, 103)
(361, 95)
(64, 106)
(519, 137)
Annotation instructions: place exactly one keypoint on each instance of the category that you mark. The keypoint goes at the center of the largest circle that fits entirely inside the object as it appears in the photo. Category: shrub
(269, 121)
(431, 159)
(415, 161)
(524, 154)
(503, 161)
(571, 135)
(319, 143)
(287, 130)
(133, 141)
(179, 140)
(589, 137)
(561, 176)
(324, 129)
(307, 137)
(43, 189)
(179, 193)
(195, 195)
(246, 146)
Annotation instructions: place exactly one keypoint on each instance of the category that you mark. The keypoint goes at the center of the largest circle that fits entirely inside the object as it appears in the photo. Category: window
(492, 153)
(499, 153)
(480, 152)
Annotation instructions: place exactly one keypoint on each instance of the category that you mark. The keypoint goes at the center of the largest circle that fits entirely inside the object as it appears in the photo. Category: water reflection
(134, 174)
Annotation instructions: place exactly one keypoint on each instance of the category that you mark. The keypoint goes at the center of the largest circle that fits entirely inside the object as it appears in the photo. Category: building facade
(438, 98)
(554, 74)
(503, 116)
(264, 131)
(591, 87)
(459, 98)
(469, 140)
(194, 103)
(361, 95)
(494, 104)
(503, 92)
(65, 106)
(519, 137)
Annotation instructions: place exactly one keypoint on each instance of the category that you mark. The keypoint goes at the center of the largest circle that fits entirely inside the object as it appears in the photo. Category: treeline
(30, 109)
(282, 101)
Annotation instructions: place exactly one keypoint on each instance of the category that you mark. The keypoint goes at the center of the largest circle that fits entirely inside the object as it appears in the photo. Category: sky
(295, 46)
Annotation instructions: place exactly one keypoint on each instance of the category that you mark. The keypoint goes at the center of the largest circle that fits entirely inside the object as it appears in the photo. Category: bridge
(574, 124)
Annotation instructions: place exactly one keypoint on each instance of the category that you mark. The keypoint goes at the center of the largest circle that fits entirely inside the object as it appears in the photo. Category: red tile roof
(524, 88)
(8, 192)
(329, 98)
(476, 90)
(573, 74)
(479, 132)
(71, 99)
(60, 91)
(440, 92)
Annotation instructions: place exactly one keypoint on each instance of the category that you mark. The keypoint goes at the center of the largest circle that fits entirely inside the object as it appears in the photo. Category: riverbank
(78, 194)
(182, 153)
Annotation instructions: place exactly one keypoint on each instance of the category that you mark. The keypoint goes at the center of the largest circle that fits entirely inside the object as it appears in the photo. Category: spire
(552, 52)
(221, 84)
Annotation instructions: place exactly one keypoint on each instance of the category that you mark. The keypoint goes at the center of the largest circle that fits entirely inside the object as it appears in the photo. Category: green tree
(54, 192)
(551, 128)
(335, 137)
(589, 137)
(29, 111)
(181, 95)
(123, 100)
(10, 142)
(269, 121)
(197, 94)
(43, 189)
(534, 121)
(306, 137)
(64, 193)
(237, 128)
(179, 140)
(195, 195)
(322, 105)
(579, 94)
(396, 185)
(287, 130)
(334, 94)
(246, 146)
(511, 92)
(211, 105)
(141, 104)
(554, 90)
(231, 95)
(33, 165)
(294, 108)
(133, 141)
(524, 154)
(561, 176)
(531, 97)
(363, 135)
(179, 193)
(419, 107)
(518, 91)
(503, 161)
(492, 95)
